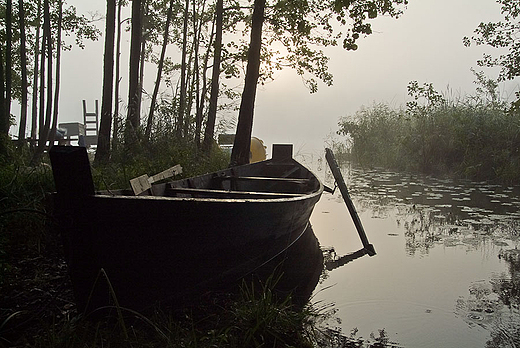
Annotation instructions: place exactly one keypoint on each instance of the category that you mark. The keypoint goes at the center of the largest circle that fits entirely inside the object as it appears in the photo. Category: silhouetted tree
(212, 112)
(103, 144)
(299, 27)
(4, 126)
(23, 61)
(4, 119)
(34, 108)
(55, 111)
(240, 152)
(183, 77)
(159, 71)
(47, 41)
(115, 132)
(132, 120)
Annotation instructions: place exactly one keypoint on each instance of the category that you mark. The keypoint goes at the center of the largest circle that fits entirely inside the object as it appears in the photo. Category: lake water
(447, 269)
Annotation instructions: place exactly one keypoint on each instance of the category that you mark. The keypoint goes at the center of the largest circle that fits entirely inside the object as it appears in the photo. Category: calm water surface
(447, 269)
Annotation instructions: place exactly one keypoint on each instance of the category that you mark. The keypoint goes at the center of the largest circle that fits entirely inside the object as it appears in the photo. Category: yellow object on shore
(257, 150)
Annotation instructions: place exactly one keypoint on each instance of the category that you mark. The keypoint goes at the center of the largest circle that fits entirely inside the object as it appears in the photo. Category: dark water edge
(298, 269)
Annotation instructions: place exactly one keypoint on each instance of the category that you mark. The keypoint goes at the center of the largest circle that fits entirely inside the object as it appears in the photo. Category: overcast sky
(425, 44)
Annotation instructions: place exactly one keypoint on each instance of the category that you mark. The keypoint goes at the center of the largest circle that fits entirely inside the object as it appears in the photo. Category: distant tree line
(196, 46)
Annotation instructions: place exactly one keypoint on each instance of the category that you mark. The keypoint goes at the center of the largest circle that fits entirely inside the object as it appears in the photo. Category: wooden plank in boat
(168, 173)
(227, 194)
(140, 184)
(263, 178)
(144, 182)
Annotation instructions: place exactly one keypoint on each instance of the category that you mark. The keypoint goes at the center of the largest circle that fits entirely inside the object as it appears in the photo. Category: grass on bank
(473, 137)
(254, 317)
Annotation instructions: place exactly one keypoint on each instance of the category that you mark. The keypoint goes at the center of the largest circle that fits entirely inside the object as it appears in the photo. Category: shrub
(468, 137)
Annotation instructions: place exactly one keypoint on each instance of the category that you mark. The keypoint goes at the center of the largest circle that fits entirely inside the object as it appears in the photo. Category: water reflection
(461, 259)
(439, 212)
(333, 261)
(508, 288)
(494, 305)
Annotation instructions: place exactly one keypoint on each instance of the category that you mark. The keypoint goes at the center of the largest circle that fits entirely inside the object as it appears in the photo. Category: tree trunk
(44, 133)
(41, 111)
(132, 123)
(159, 72)
(212, 113)
(240, 152)
(34, 110)
(8, 68)
(52, 134)
(103, 144)
(200, 108)
(198, 96)
(140, 84)
(182, 97)
(115, 136)
(23, 61)
(189, 94)
(3, 115)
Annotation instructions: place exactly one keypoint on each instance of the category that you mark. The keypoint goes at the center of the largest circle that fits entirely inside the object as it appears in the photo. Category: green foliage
(358, 12)
(154, 157)
(23, 212)
(501, 35)
(302, 27)
(473, 138)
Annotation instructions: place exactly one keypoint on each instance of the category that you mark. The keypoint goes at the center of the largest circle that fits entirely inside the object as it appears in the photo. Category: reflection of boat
(333, 261)
(192, 233)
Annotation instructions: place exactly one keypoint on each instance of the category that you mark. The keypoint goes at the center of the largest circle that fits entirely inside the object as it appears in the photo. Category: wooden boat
(189, 235)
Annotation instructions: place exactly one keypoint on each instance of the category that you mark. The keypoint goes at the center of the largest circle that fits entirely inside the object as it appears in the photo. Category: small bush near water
(474, 137)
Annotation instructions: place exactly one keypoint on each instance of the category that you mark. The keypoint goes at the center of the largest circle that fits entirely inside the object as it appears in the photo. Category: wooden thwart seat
(210, 193)
(263, 179)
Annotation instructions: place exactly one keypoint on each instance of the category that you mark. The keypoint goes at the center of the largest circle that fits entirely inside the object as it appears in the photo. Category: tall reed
(465, 137)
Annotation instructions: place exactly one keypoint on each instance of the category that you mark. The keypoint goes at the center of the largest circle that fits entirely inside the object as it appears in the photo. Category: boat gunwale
(310, 195)
(301, 196)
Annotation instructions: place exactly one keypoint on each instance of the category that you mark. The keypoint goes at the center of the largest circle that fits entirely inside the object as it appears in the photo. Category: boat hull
(138, 251)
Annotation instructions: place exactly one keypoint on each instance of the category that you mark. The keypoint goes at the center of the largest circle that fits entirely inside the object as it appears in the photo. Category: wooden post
(282, 152)
(74, 185)
(329, 155)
